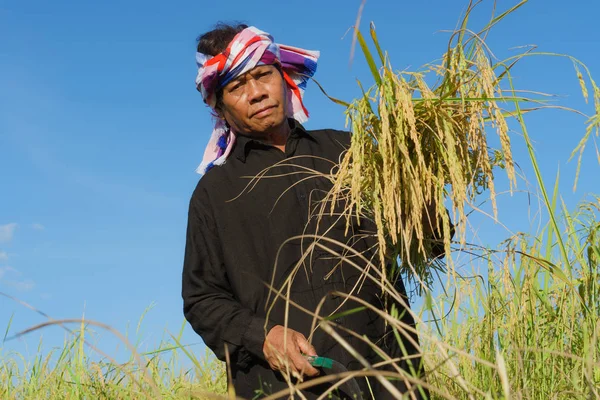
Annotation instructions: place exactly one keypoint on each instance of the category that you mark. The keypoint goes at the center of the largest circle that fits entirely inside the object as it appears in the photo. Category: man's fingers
(297, 366)
(305, 347)
(290, 357)
(302, 365)
(300, 361)
(280, 362)
(311, 371)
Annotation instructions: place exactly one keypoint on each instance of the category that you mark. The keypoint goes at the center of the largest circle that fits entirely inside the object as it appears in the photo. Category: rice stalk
(420, 139)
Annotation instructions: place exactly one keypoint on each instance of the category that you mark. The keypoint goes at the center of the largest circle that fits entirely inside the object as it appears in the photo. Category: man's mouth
(263, 111)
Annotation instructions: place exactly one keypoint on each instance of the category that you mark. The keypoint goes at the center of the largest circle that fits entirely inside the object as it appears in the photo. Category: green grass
(522, 323)
(80, 371)
(526, 321)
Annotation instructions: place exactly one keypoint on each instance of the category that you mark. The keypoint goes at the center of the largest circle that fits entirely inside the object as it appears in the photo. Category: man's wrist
(254, 337)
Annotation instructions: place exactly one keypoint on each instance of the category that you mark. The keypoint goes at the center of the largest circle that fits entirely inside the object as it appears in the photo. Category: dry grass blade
(411, 142)
(416, 145)
(123, 339)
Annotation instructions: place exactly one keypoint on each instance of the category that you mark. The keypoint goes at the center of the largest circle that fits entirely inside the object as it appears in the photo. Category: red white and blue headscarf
(248, 49)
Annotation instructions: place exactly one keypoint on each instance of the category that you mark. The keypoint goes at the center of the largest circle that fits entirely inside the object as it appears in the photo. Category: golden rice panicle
(414, 145)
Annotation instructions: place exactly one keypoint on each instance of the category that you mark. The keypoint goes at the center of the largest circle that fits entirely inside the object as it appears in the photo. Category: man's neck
(277, 137)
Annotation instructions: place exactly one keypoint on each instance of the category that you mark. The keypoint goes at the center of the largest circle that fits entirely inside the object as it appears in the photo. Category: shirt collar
(243, 144)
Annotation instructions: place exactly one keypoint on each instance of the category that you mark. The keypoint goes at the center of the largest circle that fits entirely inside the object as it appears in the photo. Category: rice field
(523, 323)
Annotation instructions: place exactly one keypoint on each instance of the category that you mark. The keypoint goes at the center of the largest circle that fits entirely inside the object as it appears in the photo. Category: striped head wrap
(248, 49)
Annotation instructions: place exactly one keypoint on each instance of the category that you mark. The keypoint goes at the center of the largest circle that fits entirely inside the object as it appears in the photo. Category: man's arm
(218, 317)
(208, 302)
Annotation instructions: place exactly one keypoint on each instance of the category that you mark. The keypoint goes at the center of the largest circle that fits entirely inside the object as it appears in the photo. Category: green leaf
(551, 227)
(501, 16)
(376, 42)
(368, 57)
(345, 313)
(192, 358)
(335, 100)
(550, 267)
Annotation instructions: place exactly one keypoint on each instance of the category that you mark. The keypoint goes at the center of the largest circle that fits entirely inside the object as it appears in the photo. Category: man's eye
(265, 74)
(237, 86)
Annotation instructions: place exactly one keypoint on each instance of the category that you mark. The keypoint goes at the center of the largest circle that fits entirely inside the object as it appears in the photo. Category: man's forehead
(256, 69)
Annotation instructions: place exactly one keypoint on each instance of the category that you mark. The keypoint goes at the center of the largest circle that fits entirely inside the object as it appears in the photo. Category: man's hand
(285, 350)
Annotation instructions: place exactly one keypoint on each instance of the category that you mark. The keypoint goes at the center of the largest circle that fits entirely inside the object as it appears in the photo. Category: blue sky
(101, 129)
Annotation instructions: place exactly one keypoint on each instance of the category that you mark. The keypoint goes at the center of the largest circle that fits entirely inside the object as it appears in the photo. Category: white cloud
(23, 286)
(6, 270)
(38, 227)
(3, 256)
(7, 231)
(13, 279)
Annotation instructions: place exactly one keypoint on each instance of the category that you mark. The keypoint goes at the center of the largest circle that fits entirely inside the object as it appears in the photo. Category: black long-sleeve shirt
(235, 246)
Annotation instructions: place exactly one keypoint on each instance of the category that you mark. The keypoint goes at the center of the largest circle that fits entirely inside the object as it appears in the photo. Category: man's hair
(215, 41)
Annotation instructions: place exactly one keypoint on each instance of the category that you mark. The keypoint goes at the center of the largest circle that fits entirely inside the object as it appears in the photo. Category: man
(243, 240)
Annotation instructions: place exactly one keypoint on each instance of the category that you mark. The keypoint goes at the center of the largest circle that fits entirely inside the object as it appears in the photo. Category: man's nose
(256, 91)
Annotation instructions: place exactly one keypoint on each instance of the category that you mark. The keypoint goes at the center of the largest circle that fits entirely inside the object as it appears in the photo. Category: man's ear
(219, 112)
(288, 101)
(221, 115)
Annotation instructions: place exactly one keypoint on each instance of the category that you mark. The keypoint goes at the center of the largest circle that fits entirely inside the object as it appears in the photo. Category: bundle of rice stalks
(416, 144)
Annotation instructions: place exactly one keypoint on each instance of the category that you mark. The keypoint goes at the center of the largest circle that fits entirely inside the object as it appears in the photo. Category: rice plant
(79, 370)
(525, 326)
(536, 311)
(421, 137)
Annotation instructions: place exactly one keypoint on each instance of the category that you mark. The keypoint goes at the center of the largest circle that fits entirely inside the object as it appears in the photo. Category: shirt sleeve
(209, 304)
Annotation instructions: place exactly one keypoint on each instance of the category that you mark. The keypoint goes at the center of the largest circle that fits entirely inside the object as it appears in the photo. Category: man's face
(254, 103)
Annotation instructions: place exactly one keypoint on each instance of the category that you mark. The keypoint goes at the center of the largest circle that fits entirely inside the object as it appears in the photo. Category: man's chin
(270, 124)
